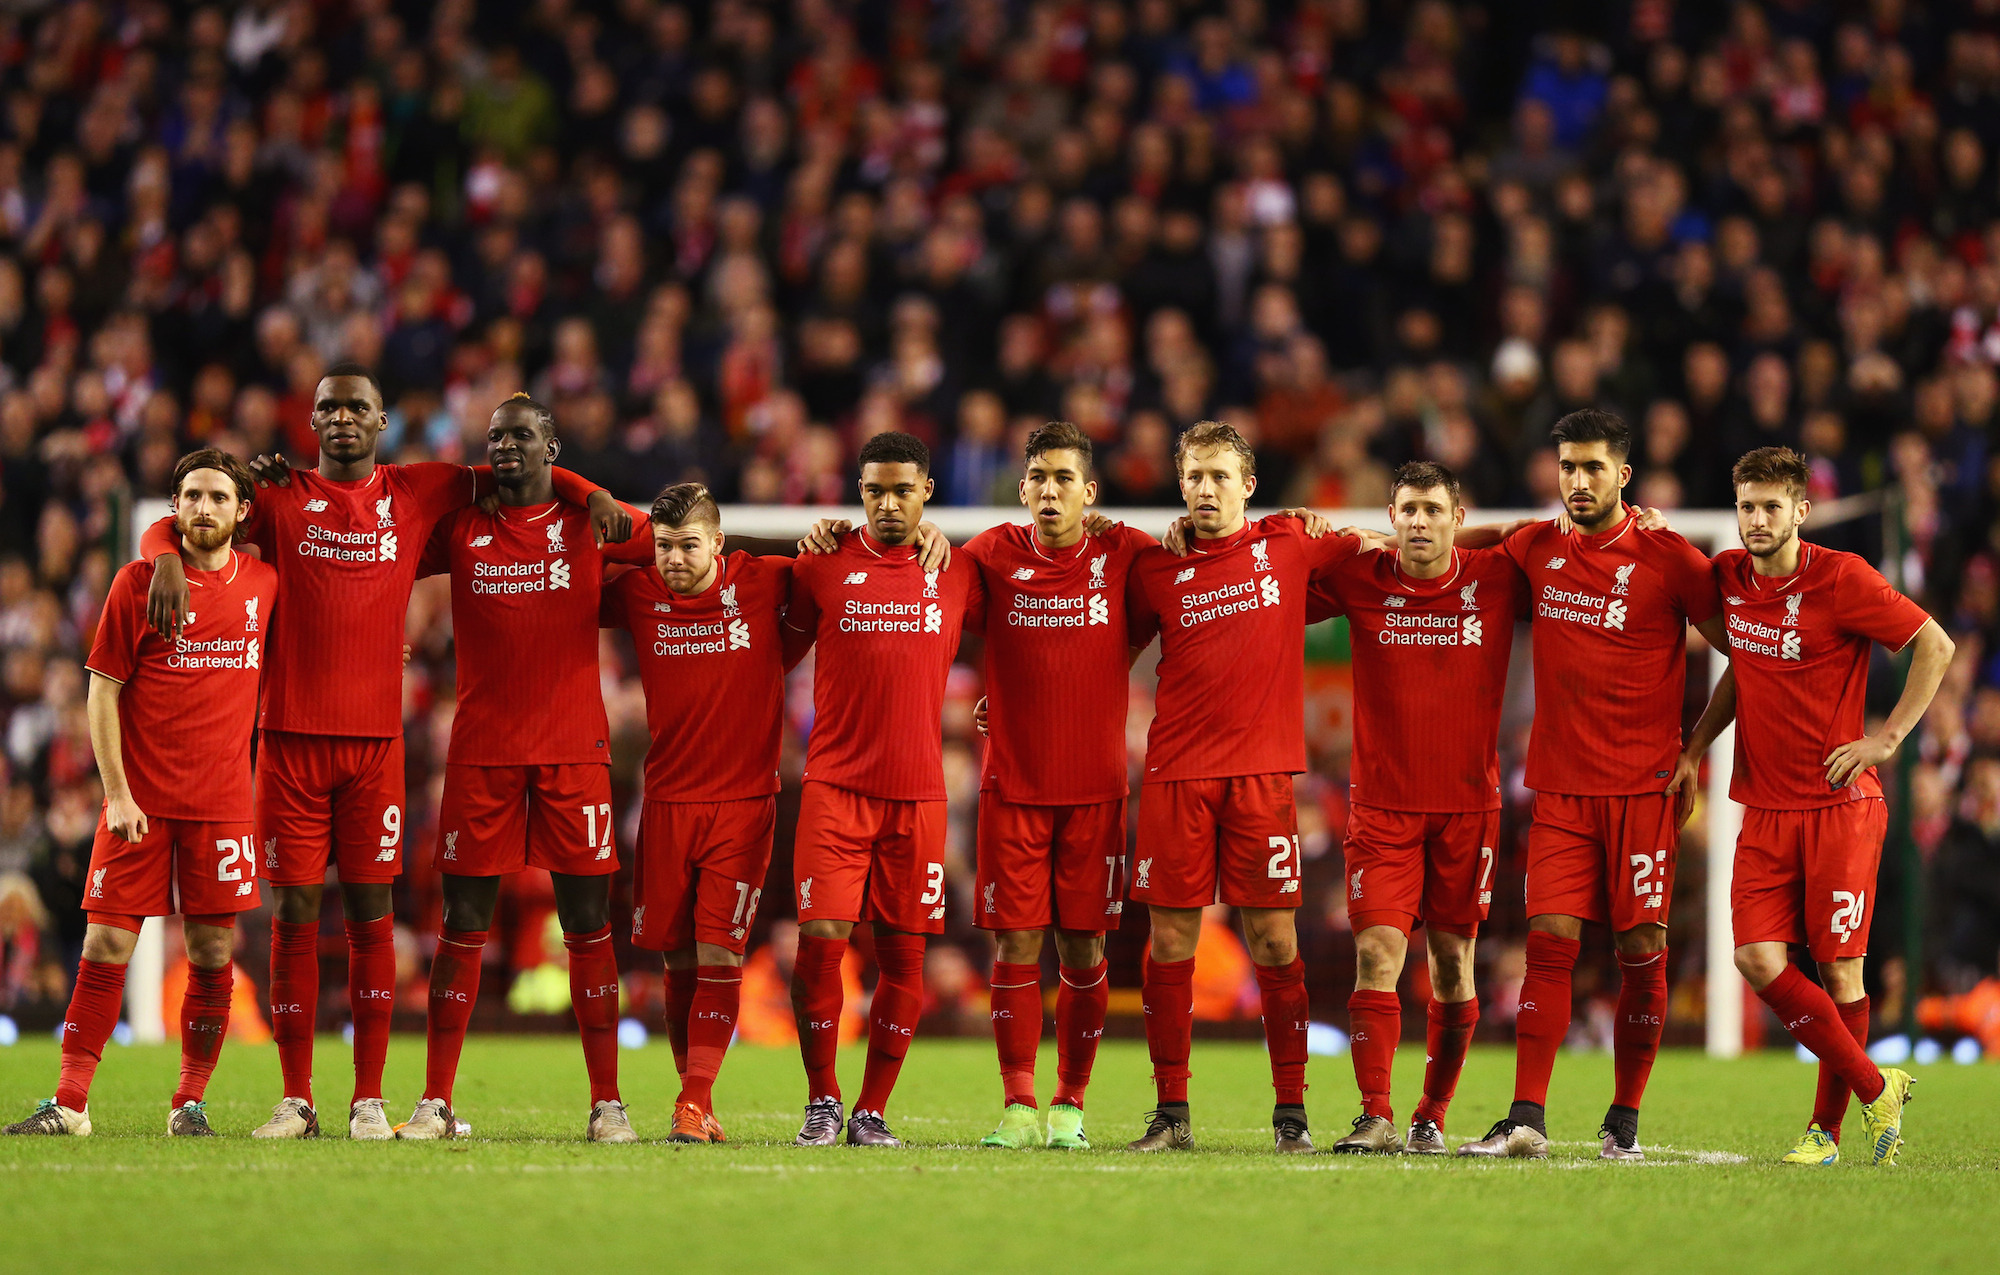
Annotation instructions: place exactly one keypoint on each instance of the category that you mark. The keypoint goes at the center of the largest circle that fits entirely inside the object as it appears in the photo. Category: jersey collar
(888, 553)
(1226, 543)
(1438, 585)
(1757, 581)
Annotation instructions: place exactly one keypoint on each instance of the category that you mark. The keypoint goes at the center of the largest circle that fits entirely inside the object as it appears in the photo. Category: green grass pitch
(526, 1193)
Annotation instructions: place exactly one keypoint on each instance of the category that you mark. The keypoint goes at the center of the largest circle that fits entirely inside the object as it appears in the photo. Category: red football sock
(371, 998)
(1168, 999)
(892, 1016)
(1081, 1004)
(1808, 1013)
(1375, 1025)
(718, 995)
(1635, 1034)
(817, 993)
(593, 997)
(1830, 1102)
(454, 991)
(1446, 1039)
(93, 1012)
(295, 1002)
(204, 1023)
(680, 1000)
(1017, 1027)
(1544, 1016)
(1287, 1015)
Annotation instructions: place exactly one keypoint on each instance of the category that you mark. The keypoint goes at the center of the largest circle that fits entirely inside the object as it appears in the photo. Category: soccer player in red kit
(1802, 620)
(1228, 734)
(1053, 788)
(1612, 602)
(170, 722)
(705, 628)
(346, 538)
(1432, 627)
(527, 777)
(870, 839)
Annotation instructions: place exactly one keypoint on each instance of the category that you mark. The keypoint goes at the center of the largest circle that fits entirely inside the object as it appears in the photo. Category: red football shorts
(1604, 859)
(195, 869)
(1804, 876)
(700, 872)
(1240, 834)
(1043, 862)
(499, 819)
(859, 858)
(330, 796)
(1404, 867)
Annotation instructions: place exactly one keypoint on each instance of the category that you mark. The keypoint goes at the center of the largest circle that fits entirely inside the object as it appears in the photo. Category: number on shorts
(234, 852)
(592, 815)
(1111, 862)
(1485, 868)
(1849, 907)
(392, 827)
(933, 884)
(746, 904)
(1642, 869)
(1285, 864)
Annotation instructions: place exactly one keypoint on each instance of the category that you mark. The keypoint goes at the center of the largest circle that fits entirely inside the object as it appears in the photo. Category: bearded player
(705, 627)
(1052, 804)
(170, 723)
(527, 777)
(1432, 626)
(1228, 734)
(1802, 620)
(870, 840)
(345, 538)
(1612, 604)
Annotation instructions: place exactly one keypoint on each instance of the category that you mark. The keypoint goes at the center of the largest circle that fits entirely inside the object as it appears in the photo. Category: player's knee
(297, 904)
(108, 944)
(1079, 951)
(210, 947)
(1450, 966)
(1641, 940)
(366, 901)
(1019, 947)
(712, 954)
(1758, 966)
(1376, 956)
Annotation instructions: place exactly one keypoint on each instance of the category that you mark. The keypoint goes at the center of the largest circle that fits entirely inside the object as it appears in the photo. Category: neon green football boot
(1885, 1116)
(1066, 1128)
(1020, 1127)
(1816, 1147)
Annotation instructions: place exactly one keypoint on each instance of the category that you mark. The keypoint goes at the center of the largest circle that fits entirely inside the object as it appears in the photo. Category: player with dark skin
(347, 418)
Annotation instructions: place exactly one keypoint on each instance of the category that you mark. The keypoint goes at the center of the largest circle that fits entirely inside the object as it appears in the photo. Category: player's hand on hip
(979, 715)
(1682, 787)
(610, 522)
(123, 816)
(1846, 762)
(271, 471)
(1176, 539)
(933, 547)
(825, 535)
(1316, 524)
(167, 599)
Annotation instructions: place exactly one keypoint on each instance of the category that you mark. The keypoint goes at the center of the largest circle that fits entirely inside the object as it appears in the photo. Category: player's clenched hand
(1687, 777)
(610, 522)
(406, 655)
(825, 535)
(271, 471)
(1316, 524)
(1176, 539)
(167, 600)
(123, 816)
(1096, 524)
(979, 715)
(933, 547)
(1849, 760)
(1650, 519)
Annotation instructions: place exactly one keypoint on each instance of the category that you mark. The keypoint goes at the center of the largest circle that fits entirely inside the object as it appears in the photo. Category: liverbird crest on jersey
(1260, 555)
(1097, 570)
(1792, 609)
(384, 518)
(555, 538)
(1465, 596)
(729, 599)
(1624, 584)
(250, 614)
(930, 584)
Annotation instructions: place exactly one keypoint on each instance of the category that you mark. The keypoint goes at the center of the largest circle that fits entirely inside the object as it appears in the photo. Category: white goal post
(1712, 529)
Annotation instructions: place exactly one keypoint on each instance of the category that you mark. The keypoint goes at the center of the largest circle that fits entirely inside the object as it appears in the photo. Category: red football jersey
(1430, 672)
(188, 708)
(1611, 613)
(713, 670)
(1232, 623)
(1057, 655)
(524, 602)
(887, 631)
(1800, 646)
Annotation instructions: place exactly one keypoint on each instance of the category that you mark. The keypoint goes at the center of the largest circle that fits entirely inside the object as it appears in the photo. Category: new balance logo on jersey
(1733, 600)
(805, 894)
(1614, 615)
(250, 614)
(1097, 570)
(1470, 630)
(1555, 564)
(480, 542)
(1624, 585)
(930, 584)
(1465, 601)
(388, 855)
(315, 506)
(1792, 609)
(1185, 576)
(1260, 556)
(451, 845)
(383, 516)
(739, 635)
(1395, 600)
(1354, 883)
(1025, 573)
(1141, 874)
(559, 574)
(933, 618)
(555, 538)
(244, 889)
(991, 906)
(97, 883)
(665, 607)
(856, 577)
(937, 914)
(728, 597)
(1099, 610)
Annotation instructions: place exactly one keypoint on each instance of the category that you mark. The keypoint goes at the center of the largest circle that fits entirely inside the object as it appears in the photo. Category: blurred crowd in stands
(732, 240)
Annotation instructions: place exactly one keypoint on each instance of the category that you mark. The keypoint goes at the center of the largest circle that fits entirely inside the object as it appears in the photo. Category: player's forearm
(1487, 534)
(1927, 668)
(1720, 712)
(106, 742)
(572, 486)
(161, 540)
